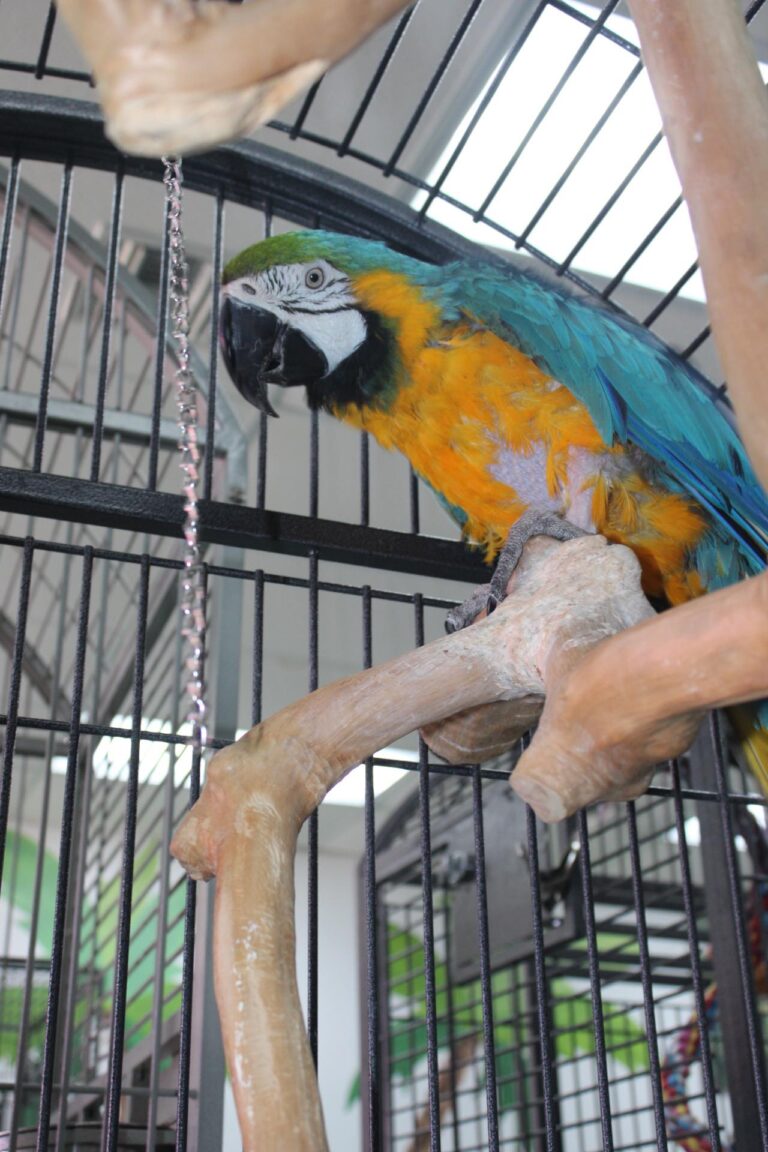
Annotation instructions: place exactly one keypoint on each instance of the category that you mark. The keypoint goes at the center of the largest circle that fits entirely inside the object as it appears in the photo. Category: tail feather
(750, 724)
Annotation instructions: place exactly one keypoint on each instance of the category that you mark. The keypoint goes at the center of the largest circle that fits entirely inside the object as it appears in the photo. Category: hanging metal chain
(193, 593)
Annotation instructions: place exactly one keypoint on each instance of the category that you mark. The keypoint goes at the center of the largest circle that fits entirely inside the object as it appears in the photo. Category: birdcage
(649, 908)
(488, 983)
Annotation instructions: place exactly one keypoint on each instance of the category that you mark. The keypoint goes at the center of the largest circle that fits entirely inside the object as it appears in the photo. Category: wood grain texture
(564, 598)
(181, 77)
(714, 108)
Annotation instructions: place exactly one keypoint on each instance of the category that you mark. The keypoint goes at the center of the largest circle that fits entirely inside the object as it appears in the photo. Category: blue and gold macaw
(518, 402)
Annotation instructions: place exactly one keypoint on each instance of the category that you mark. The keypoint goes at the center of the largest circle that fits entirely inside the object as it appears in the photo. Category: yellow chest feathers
(463, 395)
(494, 435)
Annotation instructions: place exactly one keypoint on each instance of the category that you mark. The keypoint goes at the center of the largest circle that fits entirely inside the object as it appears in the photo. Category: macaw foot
(489, 596)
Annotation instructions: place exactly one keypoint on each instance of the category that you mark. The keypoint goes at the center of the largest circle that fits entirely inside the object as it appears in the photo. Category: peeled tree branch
(564, 599)
(178, 76)
(473, 694)
(714, 107)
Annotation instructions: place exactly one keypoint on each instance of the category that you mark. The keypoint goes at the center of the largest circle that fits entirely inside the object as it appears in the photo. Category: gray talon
(489, 596)
(463, 614)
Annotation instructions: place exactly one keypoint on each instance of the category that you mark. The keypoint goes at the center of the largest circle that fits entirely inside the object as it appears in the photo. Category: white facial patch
(314, 298)
(337, 335)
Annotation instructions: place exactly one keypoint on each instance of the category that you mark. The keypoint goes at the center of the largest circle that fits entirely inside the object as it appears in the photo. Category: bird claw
(489, 596)
(464, 614)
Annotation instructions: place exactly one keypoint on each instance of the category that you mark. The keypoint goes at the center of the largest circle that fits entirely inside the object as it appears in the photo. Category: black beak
(259, 349)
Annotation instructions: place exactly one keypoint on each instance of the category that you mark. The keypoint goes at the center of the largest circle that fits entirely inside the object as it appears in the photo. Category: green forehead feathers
(292, 248)
(347, 253)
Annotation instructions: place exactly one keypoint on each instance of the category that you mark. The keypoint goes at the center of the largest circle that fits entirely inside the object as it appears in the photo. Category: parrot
(526, 407)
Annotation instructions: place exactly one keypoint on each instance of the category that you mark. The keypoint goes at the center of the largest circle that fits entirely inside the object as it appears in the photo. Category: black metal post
(738, 1015)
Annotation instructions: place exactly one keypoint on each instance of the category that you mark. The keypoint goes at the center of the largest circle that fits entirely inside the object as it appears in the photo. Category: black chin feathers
(367, 376)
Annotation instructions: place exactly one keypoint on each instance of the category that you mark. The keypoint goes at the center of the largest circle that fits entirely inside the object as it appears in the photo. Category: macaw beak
(259, 349)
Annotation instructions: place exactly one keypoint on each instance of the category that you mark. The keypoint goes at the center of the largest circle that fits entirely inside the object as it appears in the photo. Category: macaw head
(292, 315)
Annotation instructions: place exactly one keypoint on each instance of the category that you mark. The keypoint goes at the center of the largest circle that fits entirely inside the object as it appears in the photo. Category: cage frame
(69, 133)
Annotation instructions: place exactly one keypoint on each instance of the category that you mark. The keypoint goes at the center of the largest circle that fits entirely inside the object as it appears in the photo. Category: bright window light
(609, 158)
(759, 813)
(112, 757)
(693, 835)
(350, 792)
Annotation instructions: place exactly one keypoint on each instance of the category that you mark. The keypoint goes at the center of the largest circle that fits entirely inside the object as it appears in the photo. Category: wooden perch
(604, 721)
(715, 110)
(176, 76)
(637, 697)
(564, 598)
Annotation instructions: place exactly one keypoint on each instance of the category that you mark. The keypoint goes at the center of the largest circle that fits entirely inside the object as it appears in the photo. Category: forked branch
(564, 598)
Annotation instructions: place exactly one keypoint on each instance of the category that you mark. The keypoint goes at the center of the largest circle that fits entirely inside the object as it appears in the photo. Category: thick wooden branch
(178, 76)
(613, 708)
(564, 598)
(715, 110)
(636, 698)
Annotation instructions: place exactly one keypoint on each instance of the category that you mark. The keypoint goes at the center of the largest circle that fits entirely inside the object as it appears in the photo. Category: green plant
(459, 1015)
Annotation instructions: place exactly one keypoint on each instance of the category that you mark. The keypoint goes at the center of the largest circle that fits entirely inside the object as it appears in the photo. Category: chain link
(193, 592)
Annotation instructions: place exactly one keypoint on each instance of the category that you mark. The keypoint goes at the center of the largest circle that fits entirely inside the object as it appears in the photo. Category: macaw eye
(315, 278)
(248, 288)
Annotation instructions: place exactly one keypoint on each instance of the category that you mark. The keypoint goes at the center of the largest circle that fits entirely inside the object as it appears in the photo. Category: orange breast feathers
(466, 397)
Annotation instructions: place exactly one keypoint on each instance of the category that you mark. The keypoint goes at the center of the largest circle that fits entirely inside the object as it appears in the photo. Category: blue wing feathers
(617, 405)
(634, 387)
(716, 494)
